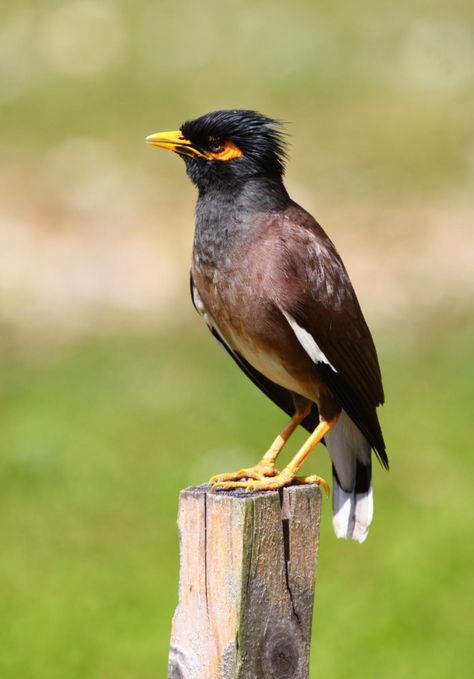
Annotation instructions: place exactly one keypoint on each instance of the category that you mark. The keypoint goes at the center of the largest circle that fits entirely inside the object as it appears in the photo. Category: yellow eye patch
(229, 152)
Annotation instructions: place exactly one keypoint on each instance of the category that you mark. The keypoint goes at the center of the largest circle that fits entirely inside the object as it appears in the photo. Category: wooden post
(246, 588)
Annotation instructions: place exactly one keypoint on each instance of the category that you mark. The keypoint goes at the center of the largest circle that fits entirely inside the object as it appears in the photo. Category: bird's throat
(225, 216)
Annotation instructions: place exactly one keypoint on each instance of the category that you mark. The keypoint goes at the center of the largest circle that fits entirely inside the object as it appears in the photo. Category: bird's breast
(238, 304)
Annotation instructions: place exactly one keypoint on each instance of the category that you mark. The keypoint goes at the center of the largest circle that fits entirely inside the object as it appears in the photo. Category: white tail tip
(352, 513)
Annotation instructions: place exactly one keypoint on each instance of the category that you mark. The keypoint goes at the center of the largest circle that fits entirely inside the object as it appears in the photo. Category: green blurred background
(114, 396)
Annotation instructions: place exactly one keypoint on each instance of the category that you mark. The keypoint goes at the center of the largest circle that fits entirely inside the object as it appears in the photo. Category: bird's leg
(288, 475)
(266, 466)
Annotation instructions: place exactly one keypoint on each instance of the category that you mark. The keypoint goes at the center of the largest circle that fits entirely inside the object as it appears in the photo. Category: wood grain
(247, 575)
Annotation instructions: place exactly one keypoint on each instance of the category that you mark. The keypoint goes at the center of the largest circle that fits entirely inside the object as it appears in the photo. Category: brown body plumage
(274, 291)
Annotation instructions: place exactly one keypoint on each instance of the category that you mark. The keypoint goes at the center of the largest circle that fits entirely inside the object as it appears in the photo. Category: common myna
(273, 290)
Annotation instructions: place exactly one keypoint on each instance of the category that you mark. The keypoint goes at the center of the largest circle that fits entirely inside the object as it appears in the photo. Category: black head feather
(261, 140)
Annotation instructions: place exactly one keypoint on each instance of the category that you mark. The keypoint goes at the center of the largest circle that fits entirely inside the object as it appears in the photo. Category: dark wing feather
(320, 297)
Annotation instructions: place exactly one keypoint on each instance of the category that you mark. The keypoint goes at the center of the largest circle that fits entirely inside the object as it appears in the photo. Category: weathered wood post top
(246, 589)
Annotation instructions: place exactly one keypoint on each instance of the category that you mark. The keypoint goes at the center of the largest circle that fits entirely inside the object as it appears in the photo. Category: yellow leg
(266, 466)
(288, 474)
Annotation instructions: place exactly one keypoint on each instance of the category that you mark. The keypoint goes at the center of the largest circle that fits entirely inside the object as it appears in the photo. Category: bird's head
(223, 145)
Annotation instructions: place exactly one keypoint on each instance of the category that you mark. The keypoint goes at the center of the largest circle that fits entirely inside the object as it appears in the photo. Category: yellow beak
(175, 141)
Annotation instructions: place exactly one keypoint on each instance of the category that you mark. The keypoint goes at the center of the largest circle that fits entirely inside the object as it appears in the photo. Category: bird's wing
(279, 395)
(320, 304)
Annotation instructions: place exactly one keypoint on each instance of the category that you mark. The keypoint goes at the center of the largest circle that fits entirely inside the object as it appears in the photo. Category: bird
(273, 290)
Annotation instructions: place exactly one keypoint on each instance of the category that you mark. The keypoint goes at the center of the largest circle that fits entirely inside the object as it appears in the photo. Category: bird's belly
(251, 331)
(266, 362)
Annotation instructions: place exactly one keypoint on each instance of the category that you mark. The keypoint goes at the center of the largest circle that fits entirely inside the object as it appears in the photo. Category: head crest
(261, 139)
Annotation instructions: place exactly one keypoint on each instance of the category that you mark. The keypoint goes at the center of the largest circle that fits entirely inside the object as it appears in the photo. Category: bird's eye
(215, 145)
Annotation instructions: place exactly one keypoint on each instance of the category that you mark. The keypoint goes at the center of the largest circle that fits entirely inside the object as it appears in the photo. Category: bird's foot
(284, 478)
(258, 472)
(264, 482)
(278, 480)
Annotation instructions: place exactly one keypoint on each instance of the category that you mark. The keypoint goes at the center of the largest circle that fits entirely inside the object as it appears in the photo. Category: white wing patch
(199, 304)
(307, 342)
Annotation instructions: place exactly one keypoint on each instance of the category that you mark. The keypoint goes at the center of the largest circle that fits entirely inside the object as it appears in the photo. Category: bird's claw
(259, 472)
(268, 483)
(264, 483)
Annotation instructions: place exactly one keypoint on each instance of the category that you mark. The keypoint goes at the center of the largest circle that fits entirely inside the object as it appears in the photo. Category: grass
(98, 439)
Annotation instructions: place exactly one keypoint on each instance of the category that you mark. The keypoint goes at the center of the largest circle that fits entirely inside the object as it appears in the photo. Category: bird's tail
(352, 500)
(353, 509)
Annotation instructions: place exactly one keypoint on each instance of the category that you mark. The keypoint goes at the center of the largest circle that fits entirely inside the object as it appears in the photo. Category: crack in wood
(251, 530)
(285, 521)
(286, 546)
